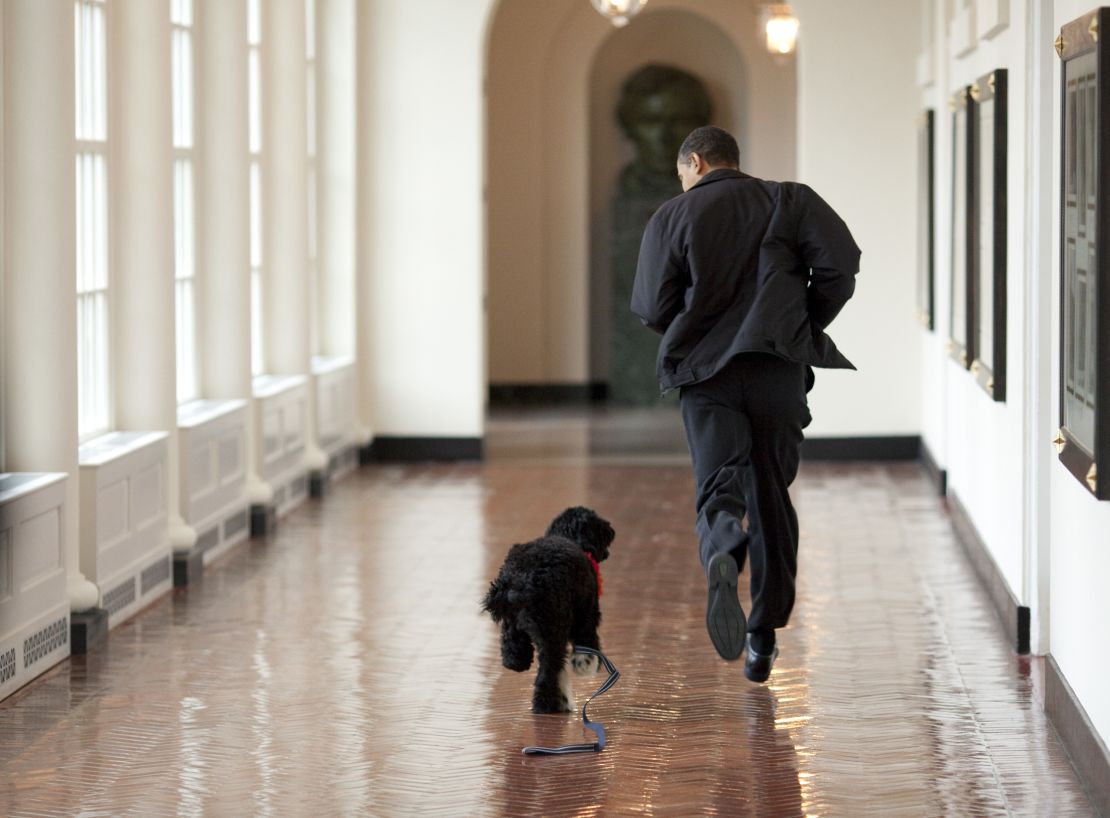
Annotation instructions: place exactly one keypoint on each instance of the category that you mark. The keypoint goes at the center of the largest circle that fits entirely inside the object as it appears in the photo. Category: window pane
(256, 322)
(255, 101)
(310, 28)
(310, 94)
(254, 22)
(256, 215)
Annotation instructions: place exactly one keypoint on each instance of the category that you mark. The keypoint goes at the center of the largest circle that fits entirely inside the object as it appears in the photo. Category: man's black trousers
(744, 427)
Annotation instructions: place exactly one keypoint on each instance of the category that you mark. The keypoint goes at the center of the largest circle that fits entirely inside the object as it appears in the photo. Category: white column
(142, 233)
(285, 288)
(40, 306)
(223, 209)
(335, 163)
(366, 144)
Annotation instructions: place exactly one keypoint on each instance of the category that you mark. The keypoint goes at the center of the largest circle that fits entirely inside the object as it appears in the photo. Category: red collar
(597, 570)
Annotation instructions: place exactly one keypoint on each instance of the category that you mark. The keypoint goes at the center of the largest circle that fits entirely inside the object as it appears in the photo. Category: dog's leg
(516, 648)
(584, 633)
(549, 695)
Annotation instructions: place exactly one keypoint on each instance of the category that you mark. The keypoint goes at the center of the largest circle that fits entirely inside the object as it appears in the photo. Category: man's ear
(697, 163)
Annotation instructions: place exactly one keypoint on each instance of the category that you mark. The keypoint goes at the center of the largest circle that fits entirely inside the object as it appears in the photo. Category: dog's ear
(585, 527)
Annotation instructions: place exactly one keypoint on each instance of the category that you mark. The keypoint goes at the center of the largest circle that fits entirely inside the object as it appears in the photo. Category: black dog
(547, 595)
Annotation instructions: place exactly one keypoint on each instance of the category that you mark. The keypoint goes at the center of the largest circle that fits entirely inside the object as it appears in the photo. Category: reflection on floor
(342, 667)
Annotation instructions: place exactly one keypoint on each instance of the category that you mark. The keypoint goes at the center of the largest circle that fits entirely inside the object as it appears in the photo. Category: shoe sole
(724, 618)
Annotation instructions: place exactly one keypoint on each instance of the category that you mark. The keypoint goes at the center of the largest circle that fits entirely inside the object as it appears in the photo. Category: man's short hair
(715, 145)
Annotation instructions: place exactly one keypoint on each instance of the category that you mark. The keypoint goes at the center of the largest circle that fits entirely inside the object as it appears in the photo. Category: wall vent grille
(209, 539)
(46, 641)
(236, 523)
(7, 666)
(155, 574)
(120, 597)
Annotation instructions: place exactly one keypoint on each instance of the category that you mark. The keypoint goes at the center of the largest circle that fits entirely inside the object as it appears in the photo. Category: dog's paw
(566, 691)
(584, 664)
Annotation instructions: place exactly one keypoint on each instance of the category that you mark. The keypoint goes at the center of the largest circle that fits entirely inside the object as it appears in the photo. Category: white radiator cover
(336, 410)
(125, 543)
(34, 607)
(212, 439)
(281, 409)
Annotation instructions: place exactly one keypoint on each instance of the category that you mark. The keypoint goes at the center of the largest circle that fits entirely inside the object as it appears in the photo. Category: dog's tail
(498, 600)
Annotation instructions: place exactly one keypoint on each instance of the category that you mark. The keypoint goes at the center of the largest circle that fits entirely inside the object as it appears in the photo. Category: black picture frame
(1083, 441)
(987, 336)
(926, 219)
(964, 229)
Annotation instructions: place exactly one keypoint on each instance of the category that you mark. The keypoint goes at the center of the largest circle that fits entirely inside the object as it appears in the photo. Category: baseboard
(938, 475)
(1015, 617)
(410, 449)
(906, 447)
(1088, 752)
(87, 630)
(263, 519)
(547, 394)
(188, 567)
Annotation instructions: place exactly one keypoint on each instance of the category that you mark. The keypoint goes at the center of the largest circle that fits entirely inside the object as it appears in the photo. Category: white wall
(978, 440)
(421, 233)
(1080, 544)
(856, 146)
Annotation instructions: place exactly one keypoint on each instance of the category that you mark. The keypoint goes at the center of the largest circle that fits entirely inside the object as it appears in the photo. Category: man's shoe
(757, 667)
(724, 618)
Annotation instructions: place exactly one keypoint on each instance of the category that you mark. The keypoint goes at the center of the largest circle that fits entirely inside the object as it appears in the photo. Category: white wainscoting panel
(125, 544)
(212, 436)
(34, 608)
(336, 410)
(280, 404)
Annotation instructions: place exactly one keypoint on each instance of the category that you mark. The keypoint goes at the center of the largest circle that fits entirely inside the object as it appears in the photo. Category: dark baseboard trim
(906, 447)
(317, 484)
(188, 567)
(547, 394)
(412, 449)
(938, 475)
(87, 629)
(1089, 755)
(1014, 616)
(263, 520)
(366, 454)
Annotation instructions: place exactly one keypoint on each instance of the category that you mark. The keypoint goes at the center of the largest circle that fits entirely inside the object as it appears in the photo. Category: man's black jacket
(737, 264)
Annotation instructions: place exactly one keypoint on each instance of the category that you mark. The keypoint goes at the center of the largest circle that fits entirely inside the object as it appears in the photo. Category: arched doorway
(552, 154)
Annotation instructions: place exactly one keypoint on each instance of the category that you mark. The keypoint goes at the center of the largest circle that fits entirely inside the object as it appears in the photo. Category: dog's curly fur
(546, 595)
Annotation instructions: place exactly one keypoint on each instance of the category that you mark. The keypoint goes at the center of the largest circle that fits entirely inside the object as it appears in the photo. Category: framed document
(1083, 442)
(926, 219)
(988, 278)
(963, 227)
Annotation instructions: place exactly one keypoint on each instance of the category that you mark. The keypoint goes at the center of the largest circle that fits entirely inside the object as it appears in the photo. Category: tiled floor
(343, 666)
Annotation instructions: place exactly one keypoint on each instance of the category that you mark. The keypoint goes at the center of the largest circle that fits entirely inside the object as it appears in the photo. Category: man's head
(704, 150)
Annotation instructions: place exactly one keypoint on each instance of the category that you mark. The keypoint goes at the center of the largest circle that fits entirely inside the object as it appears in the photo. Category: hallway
(342, 667)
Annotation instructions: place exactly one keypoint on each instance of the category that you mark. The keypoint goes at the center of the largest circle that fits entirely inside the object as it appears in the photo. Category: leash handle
(597, 728)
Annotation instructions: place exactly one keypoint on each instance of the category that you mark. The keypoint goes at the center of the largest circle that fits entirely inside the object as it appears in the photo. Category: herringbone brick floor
(342, 667)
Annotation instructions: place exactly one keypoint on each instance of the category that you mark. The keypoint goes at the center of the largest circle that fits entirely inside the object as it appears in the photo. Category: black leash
(597, 727)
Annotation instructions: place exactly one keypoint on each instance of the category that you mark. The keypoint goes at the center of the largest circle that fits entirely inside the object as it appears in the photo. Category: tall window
(310, 87)
(91, 74)
(184, 215)
(254, 66)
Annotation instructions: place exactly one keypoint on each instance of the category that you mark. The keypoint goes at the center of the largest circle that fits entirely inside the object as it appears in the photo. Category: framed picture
(926, 218)
(988, 278)
(963, 227)
(1083, 442)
